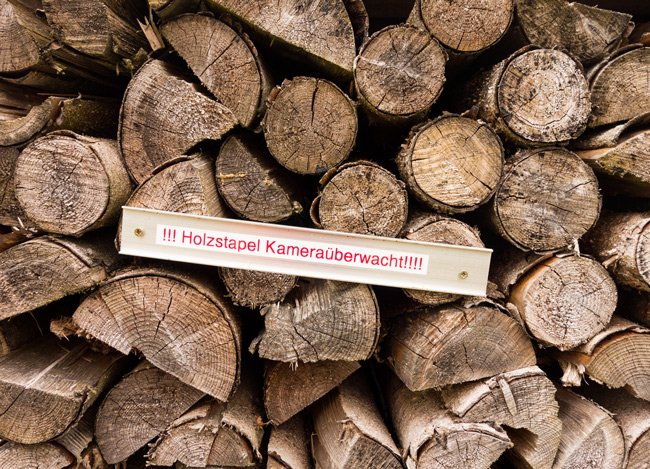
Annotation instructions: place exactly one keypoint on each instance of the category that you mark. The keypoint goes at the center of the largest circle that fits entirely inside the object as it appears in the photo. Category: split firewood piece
(34, 405)
(433, 228)
(163, 116)
(45, 269)
(18, 51)
(534, 97)
(616, 357)
(22, 329)
(254, 288)
(399, 74)
(546, 200)
(310, 126)
(42, 456)
(227, 64)
(252, 183)
(431, 436)
(288, 389)
(349, 430)
(435, 347)
(562, 300)
(523, 401)
(79, 440)
(180, 322)
(320, 320)
(70, 184)
(585, 32)
(11, 214)
(361, 197)
(590, 436)
(451, 164)
(359, 19)
(320, 32)
(619, 89)
(288, 446)
(621, 241)
(139, 408)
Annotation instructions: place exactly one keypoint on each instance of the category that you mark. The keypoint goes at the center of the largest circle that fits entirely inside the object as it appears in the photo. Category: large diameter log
(70, 184)
(288, 446)
(288, 389)
(349, 430)
(310, 126)
(42, 456)
(546, 200)
(436, 347)
(451, 164)
(227, 64)
(320, 320)
(179, 322)
(523, 401)
(140, 407)
(399, 73)
(46, 387)
(45, 269)
(163, 116)
(363, 198)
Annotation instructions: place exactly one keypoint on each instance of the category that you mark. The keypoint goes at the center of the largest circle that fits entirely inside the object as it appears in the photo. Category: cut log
(11, 214)
(399, 74)
(47, 385)
(359, 19)
(349, 431)
(140, 407)
(289, 445)
(71, 184)
(363, 198)
(590, 436)
(227, 64)
(163, 116)
(431, 436)
(310, 126)
(288, 389)
(253, 288)
(621, 241)
(179, 322)
(167, 9)
(18, 51)
(252, 183)
(451, 164)
(79, 440)
(41, 456)
(320, 320)
(435, 347)
(546, 200)
(45, 269)
(523, 401)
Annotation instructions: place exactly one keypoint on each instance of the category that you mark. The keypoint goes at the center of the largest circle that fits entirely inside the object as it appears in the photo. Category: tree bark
(42, 456)
(310, 126)
(363, 198)
(546, 200)
(179, 322)
(524, 402)
(288, 446)
(451, 164)
(289, 389)
(254, 289)
(320, 320)
(163, 116)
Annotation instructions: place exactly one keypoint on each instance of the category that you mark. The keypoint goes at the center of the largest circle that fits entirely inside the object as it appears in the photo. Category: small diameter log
(34, 404)
(140, 407)
(178, 321)
(310, 125)
(619, 89)
(288, 389)
(535, 97)
(431, 436)
(399, 74)
(71, 184)
(320, 320)
(253, 288)
(436, 347)
(546, 200)
(163, 116)
(227, 64)
(621, 241)
(41, 456)
(349, 430)
(590, 436)
(288, 446)
(451, 164)
(433, 228)
(523, 401)
(361, 197)
(45, 269)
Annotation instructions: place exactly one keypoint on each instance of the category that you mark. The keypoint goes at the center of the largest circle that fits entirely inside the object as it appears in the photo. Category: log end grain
(252, 288)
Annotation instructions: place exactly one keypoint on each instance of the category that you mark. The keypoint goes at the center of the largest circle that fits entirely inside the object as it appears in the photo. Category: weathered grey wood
(18, 51)
(42, 456)
(254, 288)
(11, 214)
(288, 446)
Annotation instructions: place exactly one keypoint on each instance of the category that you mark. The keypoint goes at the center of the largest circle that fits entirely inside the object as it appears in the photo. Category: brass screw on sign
(138, 232)
(463, 274)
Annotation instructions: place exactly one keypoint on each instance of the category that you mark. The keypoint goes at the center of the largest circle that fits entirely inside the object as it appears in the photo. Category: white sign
(304, 252)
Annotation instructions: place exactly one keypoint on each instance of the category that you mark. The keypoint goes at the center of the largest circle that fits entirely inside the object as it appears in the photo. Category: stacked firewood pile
(521, 126)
